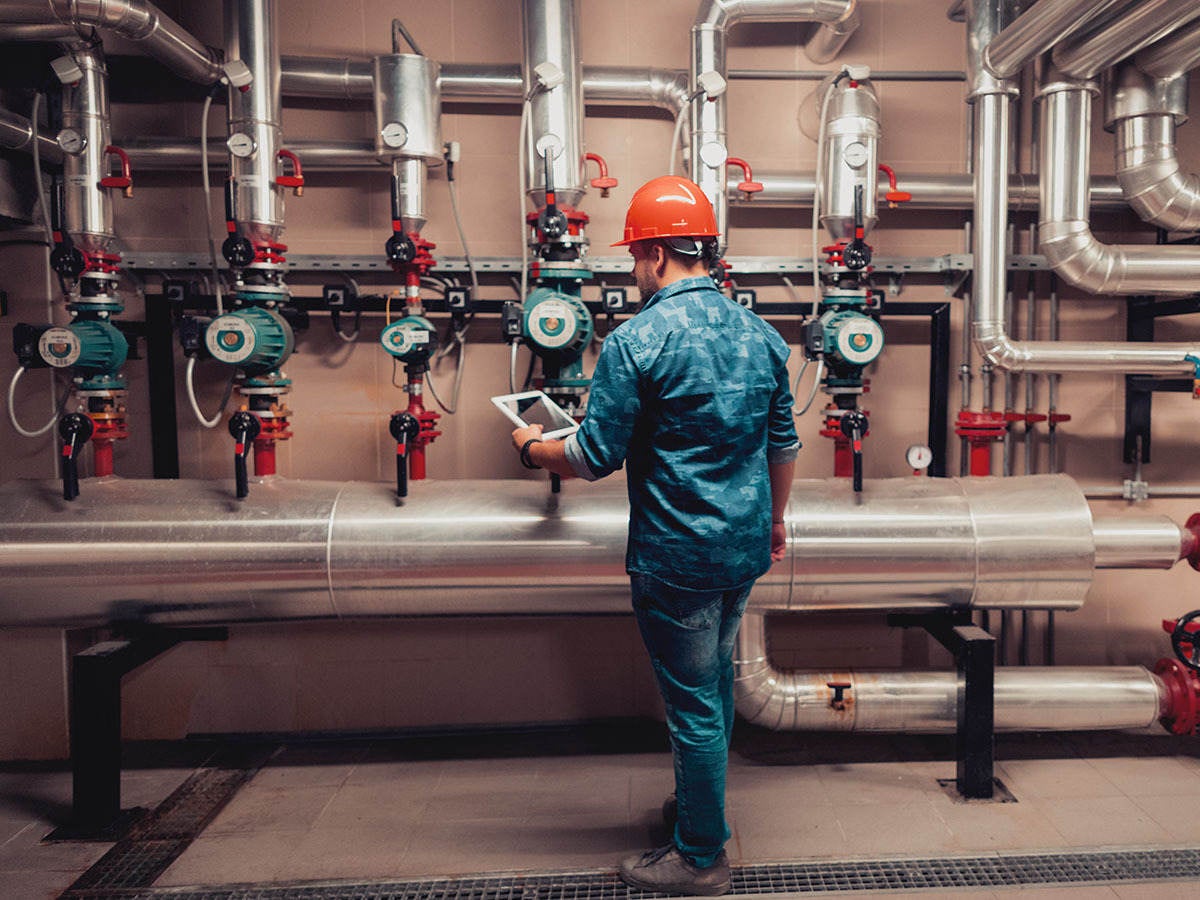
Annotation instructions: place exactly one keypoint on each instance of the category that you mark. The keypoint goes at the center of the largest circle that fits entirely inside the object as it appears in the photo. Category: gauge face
(919, 456)
(241, 145)
(855, 155)
(394, 135)
(71, 141)
(713, 154)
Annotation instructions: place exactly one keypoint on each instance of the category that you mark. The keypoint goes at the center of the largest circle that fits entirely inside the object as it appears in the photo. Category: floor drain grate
(778, 878)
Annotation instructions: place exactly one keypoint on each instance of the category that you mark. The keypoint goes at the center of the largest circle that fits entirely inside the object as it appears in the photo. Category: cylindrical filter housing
(85, 116)
(851, 156)
(555, 113)
(407, 108)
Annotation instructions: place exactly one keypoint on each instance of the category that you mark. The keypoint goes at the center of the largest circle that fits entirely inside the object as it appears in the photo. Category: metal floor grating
(990, 871)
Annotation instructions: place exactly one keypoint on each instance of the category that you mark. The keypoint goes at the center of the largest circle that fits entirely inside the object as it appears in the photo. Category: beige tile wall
(423, 673)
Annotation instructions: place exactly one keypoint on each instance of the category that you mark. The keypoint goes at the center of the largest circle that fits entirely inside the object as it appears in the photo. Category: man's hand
(527, 433)
(778, 541)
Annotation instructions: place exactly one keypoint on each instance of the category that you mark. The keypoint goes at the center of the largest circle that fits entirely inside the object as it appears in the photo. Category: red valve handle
(604, 181)
(893, 196)
(296, 180)
(125, 179)
(749, 185)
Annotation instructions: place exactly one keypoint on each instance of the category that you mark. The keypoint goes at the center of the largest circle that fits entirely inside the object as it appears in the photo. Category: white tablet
(535, 408)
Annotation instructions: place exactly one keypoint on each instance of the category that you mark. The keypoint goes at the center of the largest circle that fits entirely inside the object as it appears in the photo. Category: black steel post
(939, 388)
(975, 738)
(160, 366)
(1139, 326)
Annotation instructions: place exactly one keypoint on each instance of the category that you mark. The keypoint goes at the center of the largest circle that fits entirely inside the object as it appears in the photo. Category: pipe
(16, 133)
(1037, 30)
(1173, 55)
(1144, 118)
(251, 36)
(714, 18)
(186, 551)
(828, 39)
(551, 31)
(1142, 543)
(1066, 698)
(172, 154)
(1117, 36)
(138, 20)
(87, 206)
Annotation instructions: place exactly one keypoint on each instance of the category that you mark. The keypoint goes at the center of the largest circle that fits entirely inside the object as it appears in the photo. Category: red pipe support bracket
(125, 179)
(604, 182)
(749, 186)
(296, 180)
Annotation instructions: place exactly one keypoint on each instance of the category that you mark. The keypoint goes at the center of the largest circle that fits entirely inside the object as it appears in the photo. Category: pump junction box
(458, 299)
(745, 297)
(613, 299)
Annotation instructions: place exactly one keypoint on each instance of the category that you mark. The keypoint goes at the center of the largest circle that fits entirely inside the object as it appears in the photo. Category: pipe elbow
(996, 347)
(1161, 194)
(827, 41)
(669, 89)
(1077, 257)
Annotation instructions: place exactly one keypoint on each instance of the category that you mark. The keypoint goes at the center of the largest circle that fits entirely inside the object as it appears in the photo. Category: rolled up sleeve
(601, 444)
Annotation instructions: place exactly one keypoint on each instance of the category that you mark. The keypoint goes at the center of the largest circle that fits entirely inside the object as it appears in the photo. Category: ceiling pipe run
(137, 20)
(708, 145)
(1038, 29)
(1121, 34)
(1027, 698)
(1174, 55)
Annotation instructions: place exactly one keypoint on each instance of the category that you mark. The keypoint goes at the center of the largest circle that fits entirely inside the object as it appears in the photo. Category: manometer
(713, 154)
(919, 456)
(855, 155)
(241, 145)
(71, 141)
(394, 135)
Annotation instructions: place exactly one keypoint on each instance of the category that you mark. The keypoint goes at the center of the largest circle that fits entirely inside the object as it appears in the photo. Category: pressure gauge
(71, 141)
(855, 155)
(241, 145)
(919, 456)
(394, 135)
(713, 154)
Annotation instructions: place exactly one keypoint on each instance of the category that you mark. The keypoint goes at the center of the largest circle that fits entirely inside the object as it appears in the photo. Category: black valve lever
(857, 254)
(75, 430)
(404, 427)
(551, 222)
(65, 258)
(399, 248)
(237, 249)
(854, 426)
(244, 428)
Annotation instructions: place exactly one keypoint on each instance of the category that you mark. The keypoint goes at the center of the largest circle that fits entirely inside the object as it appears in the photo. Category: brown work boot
(667, 871)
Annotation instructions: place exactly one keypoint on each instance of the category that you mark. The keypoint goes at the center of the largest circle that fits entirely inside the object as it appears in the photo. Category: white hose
(462, 236)
(212, 246)
(512, 369)
(676, 137)
(37, 169)
(12, 412)
(191, 395)
(525, 126)
(458, 376)
(816, 208)
(812, 394)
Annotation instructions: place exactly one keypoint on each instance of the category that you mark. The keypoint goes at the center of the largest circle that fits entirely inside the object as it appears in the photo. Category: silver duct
(408, 130)
(137, 20)
(1057, 698)
(187, 551)
(551, 32)
(1144, 112)
(87, 207)
(1122, 34)
(250, 35)
(714, 18)
(16, 133)
(1038, 29)
(1174, 55)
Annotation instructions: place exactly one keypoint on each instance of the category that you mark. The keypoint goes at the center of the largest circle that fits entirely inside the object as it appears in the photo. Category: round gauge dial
(241, 145)
(855, 155)
(713, 154)
(919, 456)
(71, 141)
(394, 135)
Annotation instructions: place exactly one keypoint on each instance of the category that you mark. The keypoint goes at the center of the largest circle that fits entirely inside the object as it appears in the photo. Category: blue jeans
(690, 637)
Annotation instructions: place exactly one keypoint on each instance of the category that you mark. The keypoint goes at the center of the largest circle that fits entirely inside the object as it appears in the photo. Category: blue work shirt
(692, 394)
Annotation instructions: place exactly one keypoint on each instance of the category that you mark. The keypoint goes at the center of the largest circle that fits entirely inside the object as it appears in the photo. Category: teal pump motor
(255, 339)
(852, 339)
(412, 340)
(95, 349)
(558, 328)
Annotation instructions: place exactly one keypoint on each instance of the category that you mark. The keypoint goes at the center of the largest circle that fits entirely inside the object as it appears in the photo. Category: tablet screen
(539, 410)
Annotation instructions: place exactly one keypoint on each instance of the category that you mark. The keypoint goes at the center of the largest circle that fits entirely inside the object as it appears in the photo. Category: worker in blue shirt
(692, 395)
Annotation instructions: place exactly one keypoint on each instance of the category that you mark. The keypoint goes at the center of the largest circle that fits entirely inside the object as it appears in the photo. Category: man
(692, 394)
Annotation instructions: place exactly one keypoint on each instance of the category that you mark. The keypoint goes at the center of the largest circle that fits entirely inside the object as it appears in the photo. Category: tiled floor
(397, 809)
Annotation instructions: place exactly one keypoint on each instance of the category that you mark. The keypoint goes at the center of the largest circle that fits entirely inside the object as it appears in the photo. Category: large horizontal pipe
(187, 551)
(16, 133)
(1110, 39)
(1037, 30)
(1058, 698)
(1173, 55)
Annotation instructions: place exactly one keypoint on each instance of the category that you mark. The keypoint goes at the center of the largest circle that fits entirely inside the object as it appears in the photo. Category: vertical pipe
(707, 145)
(552, 36)
(88, 209)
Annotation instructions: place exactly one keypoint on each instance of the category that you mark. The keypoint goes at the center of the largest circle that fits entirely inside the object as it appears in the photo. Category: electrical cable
(212, 247)
(12, 413)
(451, 408)
(463, 237)
(37, 168)
(191, 395)
(525, 126)
(812, 394)
(512, 369)
(677, 135)
(816, 211)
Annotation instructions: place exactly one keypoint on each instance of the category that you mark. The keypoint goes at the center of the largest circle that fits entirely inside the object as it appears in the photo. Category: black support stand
(975, 653)
(95, 722)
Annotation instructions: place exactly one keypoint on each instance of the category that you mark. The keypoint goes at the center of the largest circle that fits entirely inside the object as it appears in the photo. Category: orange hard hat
(668, 206)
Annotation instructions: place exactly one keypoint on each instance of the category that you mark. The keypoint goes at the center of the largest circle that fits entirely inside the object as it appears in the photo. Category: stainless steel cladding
(407, 108)
(933, 542)
(412, 179)
(254, 116)
(88, 207)
(1058, 698)
(552, 36)
(1146, 542)
(851, 156)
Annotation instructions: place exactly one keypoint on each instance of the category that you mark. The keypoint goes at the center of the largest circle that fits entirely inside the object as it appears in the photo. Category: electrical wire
(816, 206)
(212, 246)
(37, 168)
(191, 395)
(512, 369)
(812, 394)
(525, 126)
(463, 237)
(452, 407)
(12, 412)
(677, 136)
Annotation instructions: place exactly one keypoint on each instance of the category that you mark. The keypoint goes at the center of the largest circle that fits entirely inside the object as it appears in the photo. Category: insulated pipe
(87, 206)
(1141, 543)
(1173, 55)
(1055, 698)
(1117, 36)
(714, 18)
(16, 133)
(551, 33)
(172, 154)
(251, 36)
(187, 551)
(1037, 30)
(1144, 114)
(159, 35)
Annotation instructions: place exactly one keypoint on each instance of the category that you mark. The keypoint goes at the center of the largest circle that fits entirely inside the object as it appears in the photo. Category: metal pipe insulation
(551, 31)
(138, 20)
(16, 133)
(88, 212)
(708, 147)
(1037, 30)
(187, 551)
(172, 154)
(851, 158)
(1053, 698)
(1140, 543)
(251, 36)
(1173, 55)
(1120, 34)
